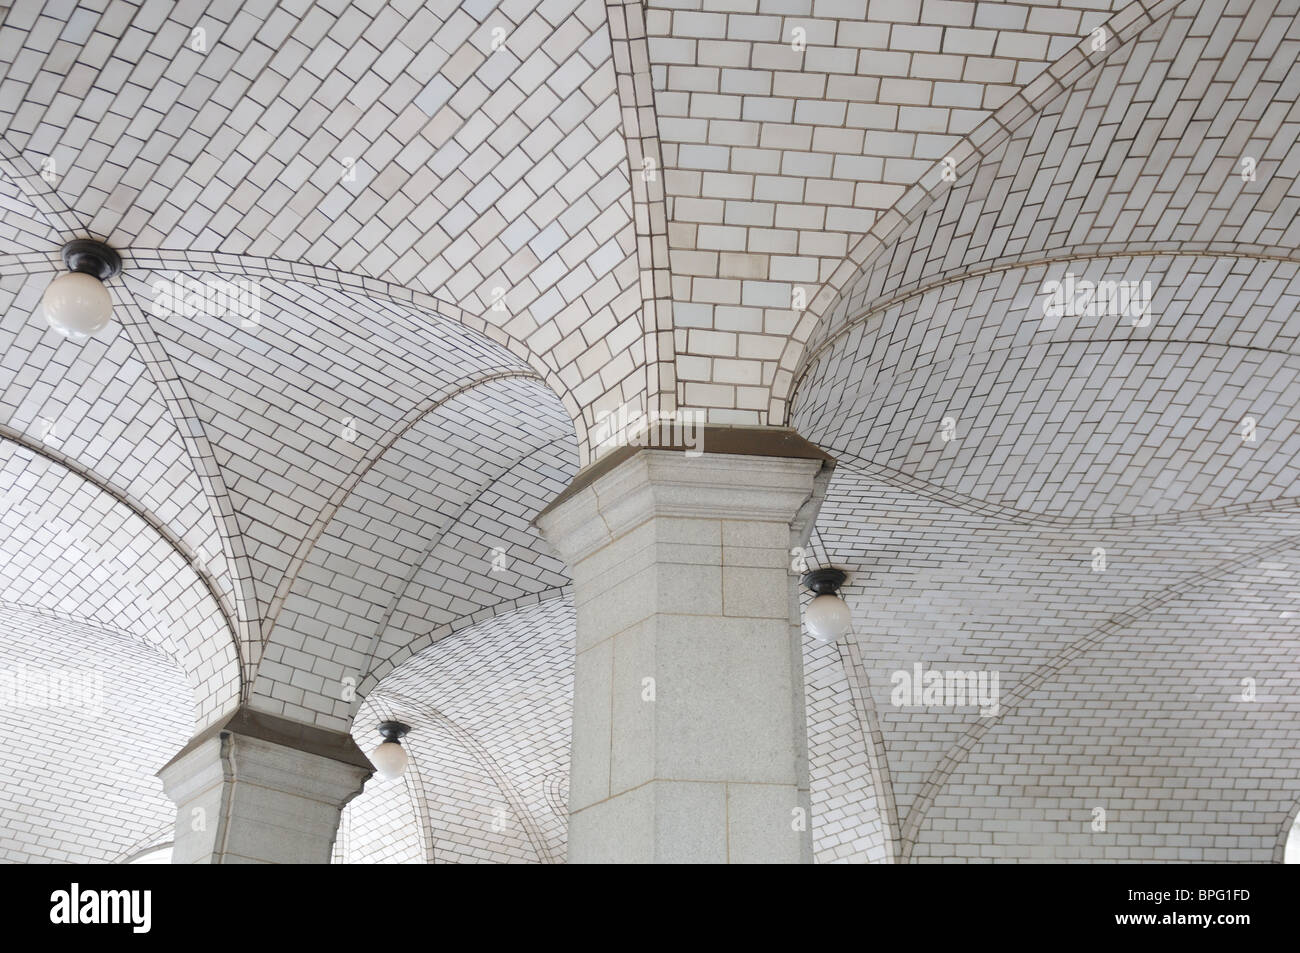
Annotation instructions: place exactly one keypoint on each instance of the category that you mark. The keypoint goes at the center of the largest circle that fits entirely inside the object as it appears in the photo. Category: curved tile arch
(220, 539)
(362, 286)
(1187, 763)
(387, 822)
(164, 373)
(505, 679)
(382, 826)
(386, 666)
(645, 163)
(1123, 28)
(489, 557)
(95, 406)
(34, 192)
(1053, 265)
(853, 466)
(160, 840)
(1089, 386)
(138, 509)
(950, 589)
(74, 547)
(542, 845)
(1146, 180)
(415, 519)
(1214, 297)
(143, 330)
(372, 456)
(236, 574)
(783, 153)
(489, 713)
(1285, 833)
(1053, 668)
(851, 820)
(254, 379)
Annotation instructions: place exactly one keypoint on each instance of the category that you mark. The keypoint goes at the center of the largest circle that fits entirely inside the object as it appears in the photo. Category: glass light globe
(828, 618)
(77, 305)
(389, 760)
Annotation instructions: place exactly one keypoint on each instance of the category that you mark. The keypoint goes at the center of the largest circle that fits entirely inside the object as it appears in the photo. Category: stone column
(259, 789)
(689, 737)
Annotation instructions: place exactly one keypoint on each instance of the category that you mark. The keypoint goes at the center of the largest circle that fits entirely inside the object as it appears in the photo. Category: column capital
(742, 473)
(257, 788)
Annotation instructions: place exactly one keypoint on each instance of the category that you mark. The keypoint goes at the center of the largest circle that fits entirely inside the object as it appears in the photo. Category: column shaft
(689, 738)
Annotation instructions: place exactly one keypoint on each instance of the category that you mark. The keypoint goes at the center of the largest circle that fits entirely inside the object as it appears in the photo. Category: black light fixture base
(824, 581)
(92, 258)
(393, 731)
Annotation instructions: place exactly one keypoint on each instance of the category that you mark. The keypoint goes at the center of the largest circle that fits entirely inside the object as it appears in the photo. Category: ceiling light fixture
(390, 757)
(827, 616)
(77, 304)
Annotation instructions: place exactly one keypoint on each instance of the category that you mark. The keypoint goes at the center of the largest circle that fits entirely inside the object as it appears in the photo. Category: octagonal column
(689, 738)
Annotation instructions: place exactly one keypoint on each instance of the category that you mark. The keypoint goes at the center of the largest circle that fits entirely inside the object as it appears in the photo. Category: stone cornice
(744, 474)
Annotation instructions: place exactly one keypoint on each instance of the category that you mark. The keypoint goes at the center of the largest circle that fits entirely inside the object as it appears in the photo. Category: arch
(850, 463)
(537, 839)
(877, 753)
(640, 127)
(217, 681)
(246, 620)
(353, 284)
(1020, 110)
(136, 507)
(1042, 674)
(877, 390)
(429, 513)
(378, 635)
(109, 707)
(347, 283)
(162, 854)
(376, 452)
(489, 726)
(390, 663)
(243, 617)
(1287, 850)
(154, 844)
(254, 628)
(1074, 253)
(414, 784)
(522, 100)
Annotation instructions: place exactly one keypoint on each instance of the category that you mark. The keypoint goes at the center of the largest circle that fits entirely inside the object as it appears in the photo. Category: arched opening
(162, 854)
(489, 708)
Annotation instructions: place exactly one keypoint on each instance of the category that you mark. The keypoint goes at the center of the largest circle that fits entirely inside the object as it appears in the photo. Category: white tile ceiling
(194, 486)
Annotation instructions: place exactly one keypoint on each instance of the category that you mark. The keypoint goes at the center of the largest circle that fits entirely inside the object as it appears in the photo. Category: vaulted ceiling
(473, 228)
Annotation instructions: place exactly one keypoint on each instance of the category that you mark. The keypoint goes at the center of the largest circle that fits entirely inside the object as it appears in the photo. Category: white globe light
(828, 618)
(389, 760)
(77, 305)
